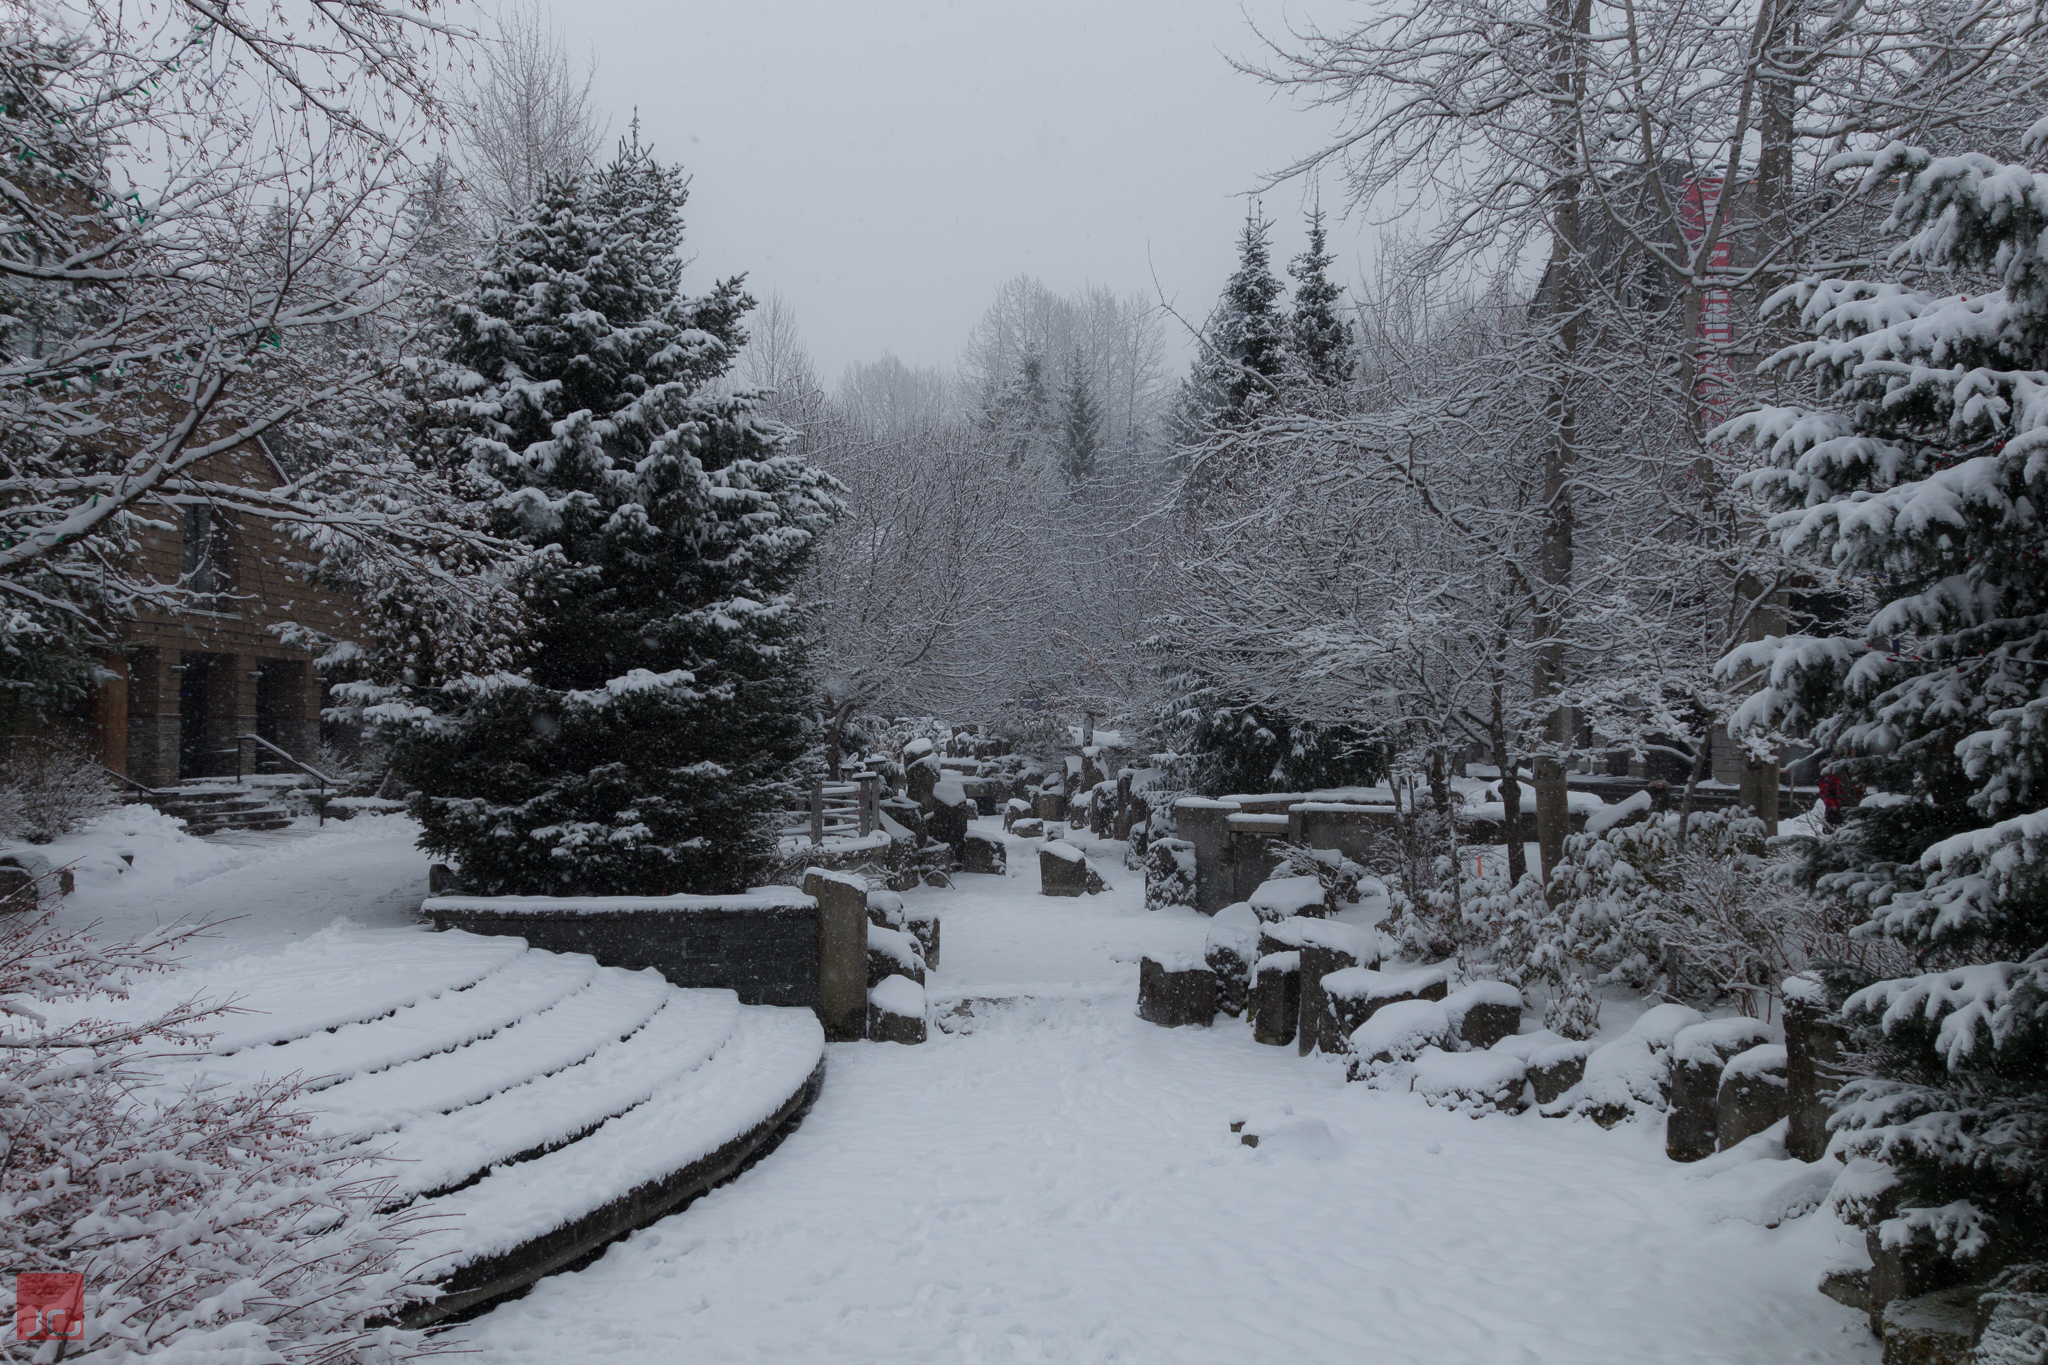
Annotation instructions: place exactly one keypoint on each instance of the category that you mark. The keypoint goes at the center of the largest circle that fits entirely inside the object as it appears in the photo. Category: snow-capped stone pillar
(842, 952)
(1206, 825)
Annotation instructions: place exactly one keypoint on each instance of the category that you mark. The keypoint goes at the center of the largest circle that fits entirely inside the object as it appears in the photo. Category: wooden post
(817, 813)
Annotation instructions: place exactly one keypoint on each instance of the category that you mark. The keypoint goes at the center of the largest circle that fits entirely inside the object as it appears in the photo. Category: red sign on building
(49, 1306)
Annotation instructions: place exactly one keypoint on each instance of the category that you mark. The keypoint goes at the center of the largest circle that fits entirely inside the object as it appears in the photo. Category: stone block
(1176, 992)
(1753, 1095)
(1483, 1013)
(1169, 873)
(920, 776)
(1932, 1329)
(1813, 1067)
(1032, 828)
(1064, 871)
(892, 952)
(947, 824)
(842, 950)
(887, 910)
(441, 879)
(1698, 1055)
(1354, 994)
(1014, 810)
(1206, 826)
(979, 853)
(896, 1012)
(1276, 998)
(1554, 1070)
(1051, 806)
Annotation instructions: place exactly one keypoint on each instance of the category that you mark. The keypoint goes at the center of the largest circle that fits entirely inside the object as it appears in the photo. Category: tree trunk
(1570, 21)
(1510, 794)
(835, 730)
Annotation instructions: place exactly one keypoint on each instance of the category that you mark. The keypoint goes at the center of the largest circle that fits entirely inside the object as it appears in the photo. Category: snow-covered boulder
(891, 952)
(1327, 946)
(1230, 952)
(1484, 1013)
(1280, 897)
(896, 1011)
(1697, 1056)
(1176, 990)
(1555, 1069)
(1632, 1072)
(1753, 1094)
(1063, 870)
(1355, 994)
(1474, 1083)
(980, 853)
(921, 922)
(1395, 1036)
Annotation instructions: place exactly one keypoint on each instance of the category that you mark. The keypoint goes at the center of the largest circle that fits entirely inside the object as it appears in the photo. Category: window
(208, 563)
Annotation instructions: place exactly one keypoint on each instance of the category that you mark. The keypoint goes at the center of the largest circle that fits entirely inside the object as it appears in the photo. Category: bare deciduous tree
(530, 116)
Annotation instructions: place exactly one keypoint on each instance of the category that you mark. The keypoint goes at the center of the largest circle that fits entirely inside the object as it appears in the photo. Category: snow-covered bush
(1169, 873)
(48, 789)
(210, 1227)
(1339, 876)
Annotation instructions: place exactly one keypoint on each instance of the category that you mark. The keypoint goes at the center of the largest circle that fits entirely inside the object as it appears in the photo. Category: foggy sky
(885, 164)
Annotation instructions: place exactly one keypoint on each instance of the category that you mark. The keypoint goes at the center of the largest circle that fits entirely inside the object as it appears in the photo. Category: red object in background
(49, 1306)
(1838, 792)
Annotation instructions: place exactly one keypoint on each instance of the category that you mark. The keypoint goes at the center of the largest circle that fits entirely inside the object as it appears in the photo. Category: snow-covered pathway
(1061, 1184)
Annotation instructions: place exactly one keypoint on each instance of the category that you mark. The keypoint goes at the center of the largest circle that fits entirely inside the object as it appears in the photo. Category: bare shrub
(48, 789)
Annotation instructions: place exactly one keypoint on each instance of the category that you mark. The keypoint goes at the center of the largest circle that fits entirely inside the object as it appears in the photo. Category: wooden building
(183, 688)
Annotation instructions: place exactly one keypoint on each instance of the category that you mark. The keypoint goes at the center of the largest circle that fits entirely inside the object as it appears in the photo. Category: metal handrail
(308, 769)
(123, 777)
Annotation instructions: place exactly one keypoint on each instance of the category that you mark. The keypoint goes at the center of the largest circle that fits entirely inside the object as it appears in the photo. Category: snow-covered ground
(1058, 1181)
(1061, 1184)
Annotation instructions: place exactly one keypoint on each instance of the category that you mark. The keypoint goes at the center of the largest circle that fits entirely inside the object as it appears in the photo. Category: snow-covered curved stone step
(438, 1151)
(528, 983)
(526, 1220)
(616, 1005)
(304, 991)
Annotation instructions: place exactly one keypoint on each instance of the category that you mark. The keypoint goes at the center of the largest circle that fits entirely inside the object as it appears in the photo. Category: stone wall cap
(1204, 803)
(760, 898)
(1342, 808)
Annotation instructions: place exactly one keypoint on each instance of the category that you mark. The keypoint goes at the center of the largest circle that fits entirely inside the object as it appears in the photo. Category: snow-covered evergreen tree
(1244, 346)
(657, 717)
(1080, 425)
(1320, 339)
(1922, 471)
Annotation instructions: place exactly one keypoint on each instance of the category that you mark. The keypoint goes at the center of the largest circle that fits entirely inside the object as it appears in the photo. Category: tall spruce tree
(1080, 425)
(658, 718)
(1922, 471)
(1320, 339)
(1244, 345)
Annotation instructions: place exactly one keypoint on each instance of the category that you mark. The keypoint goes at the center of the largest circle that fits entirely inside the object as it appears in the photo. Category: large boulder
(1063, 870)
(1483, 1013)
(1698, 1055)
(1276, 998)
(896, 1011)
(1230, 953)
(1753, 1094)
(1175, 991)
